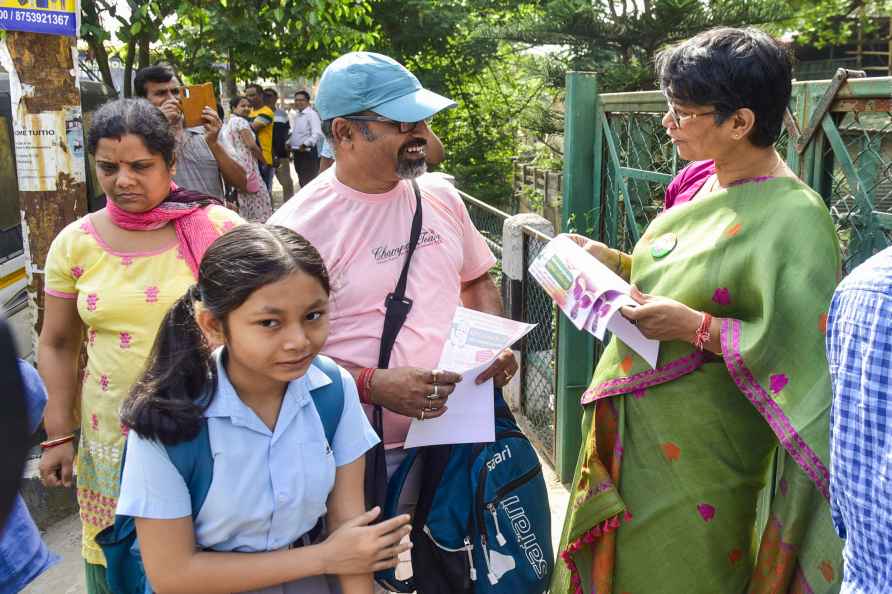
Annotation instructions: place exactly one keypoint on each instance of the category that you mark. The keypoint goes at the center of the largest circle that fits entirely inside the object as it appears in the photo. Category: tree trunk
(97, 48)
(231, 86)
(128, 67)
(145, 42)
(49, 146)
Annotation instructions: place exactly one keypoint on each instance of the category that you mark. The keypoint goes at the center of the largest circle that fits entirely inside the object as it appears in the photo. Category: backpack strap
(194, 461)
(329, 399)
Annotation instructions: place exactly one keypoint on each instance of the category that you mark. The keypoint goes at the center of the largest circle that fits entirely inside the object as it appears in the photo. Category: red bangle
(51, 443)
(364, 384)
(702, 336)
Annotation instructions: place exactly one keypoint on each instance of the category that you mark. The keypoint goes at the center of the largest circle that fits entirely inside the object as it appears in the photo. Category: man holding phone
(200, 157)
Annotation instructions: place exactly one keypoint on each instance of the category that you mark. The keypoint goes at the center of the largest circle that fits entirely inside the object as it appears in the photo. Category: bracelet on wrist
(51, 443)
(702, 336)
(618, 269)
(364, 384)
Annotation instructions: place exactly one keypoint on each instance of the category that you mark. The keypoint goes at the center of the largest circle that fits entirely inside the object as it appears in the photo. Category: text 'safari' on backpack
(482, 524)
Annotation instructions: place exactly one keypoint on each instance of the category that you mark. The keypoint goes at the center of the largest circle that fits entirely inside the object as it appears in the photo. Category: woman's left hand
(661, 318)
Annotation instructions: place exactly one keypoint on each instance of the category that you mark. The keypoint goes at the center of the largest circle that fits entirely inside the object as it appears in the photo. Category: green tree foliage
(449, 45)
(253, 39)
(240, 39)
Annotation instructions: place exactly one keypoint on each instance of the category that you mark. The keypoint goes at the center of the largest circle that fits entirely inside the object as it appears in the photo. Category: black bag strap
(397, 307)
(397, 304)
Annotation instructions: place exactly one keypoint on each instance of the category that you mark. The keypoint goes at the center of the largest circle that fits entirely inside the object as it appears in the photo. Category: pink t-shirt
(363, 239)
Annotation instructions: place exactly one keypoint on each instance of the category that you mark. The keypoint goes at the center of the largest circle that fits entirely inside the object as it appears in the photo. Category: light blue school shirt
(269, 487)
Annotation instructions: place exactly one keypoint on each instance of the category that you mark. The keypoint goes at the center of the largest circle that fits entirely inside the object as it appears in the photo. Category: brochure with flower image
(590, 294)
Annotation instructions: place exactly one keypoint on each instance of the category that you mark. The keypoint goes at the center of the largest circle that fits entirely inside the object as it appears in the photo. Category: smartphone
(193, 100)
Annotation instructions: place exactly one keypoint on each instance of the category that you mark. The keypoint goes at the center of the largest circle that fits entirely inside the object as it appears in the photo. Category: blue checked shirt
(859, 350)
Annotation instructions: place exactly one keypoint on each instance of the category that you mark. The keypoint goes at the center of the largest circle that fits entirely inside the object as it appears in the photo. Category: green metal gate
(618, 161)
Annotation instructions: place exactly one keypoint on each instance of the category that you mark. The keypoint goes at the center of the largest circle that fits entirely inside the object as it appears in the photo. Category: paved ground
(67, 577)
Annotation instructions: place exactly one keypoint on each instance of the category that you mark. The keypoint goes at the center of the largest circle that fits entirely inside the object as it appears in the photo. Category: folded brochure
(590, 294)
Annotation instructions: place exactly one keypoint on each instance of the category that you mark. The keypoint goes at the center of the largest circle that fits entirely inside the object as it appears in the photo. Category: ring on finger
(431, 396)
(435, 373)
(436, 391)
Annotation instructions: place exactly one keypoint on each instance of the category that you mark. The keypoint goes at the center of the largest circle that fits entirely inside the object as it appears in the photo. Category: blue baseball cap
(365, 81)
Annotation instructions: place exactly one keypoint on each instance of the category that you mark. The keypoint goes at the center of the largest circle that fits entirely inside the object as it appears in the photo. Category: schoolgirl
(262, 300)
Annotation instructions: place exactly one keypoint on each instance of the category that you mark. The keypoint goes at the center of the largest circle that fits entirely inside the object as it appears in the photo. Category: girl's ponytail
(166, 402)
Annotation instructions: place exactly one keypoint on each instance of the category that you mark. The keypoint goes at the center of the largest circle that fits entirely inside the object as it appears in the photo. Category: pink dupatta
(194, 229)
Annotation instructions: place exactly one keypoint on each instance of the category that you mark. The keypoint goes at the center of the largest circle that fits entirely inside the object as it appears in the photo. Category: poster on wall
(51, 17)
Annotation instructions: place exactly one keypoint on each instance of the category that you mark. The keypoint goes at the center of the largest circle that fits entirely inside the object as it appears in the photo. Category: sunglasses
(405, 127)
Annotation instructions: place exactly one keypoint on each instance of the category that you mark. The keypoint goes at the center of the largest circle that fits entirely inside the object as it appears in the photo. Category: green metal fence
(618, 160)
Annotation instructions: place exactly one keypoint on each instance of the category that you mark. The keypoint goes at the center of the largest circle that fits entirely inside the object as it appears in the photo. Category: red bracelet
(702, 336)
(51, 443)
(364, 384)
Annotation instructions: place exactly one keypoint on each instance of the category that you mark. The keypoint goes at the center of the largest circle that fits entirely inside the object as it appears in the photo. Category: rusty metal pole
(49, 145)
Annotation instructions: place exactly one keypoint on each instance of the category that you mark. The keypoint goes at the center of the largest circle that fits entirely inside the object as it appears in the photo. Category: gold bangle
(619, 262)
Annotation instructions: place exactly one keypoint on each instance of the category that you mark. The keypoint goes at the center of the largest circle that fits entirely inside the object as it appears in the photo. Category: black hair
(304, 93)
(161, 72)
(168, 400)
(120, 117)
(271, 91)
(730, 69)
(254, 86)
(233, 103)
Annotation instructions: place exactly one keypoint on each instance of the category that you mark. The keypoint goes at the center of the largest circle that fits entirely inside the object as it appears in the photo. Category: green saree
(669, 492)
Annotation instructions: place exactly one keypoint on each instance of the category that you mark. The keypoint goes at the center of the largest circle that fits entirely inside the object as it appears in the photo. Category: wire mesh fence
(855, 200)
(538, 352)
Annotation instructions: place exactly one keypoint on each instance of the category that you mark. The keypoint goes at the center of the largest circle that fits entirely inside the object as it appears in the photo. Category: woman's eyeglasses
(679, 120)
(405, 127)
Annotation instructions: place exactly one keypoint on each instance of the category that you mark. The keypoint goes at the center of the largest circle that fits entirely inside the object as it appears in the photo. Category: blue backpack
(194, 460)
(482, 524)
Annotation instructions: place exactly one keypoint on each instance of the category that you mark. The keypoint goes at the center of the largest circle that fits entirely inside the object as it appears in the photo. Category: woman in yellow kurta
(114, 274)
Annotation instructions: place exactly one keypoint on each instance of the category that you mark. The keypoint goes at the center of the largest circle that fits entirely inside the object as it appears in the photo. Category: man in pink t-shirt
(359, 213)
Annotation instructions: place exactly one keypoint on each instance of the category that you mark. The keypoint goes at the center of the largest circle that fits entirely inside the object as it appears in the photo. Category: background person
(262, 119)
(115, 273)
(262, 293)
(201, 159)
(735, 284)
(306, 134)
(281, 137)
(254, 204)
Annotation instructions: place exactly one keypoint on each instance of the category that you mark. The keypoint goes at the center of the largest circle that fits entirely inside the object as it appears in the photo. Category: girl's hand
(358, 548)
(661, 318)
(56, 465)
(596, 249)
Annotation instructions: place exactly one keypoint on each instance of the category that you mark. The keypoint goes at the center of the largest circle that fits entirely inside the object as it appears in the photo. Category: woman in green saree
(734, 278)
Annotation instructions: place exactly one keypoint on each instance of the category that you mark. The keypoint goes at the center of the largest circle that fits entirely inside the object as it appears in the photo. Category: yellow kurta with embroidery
(121, 298)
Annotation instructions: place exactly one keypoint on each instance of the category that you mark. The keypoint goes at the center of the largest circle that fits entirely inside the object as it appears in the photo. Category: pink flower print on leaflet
(126, 260)
(707, 512)
(91, 336)
(125, 338)
(94, 422)
(180, 255)
(151, 294)
(103, 382)
(722, 296)
(92, 300)
(777, 382)
(228, 226)
(77, 271)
